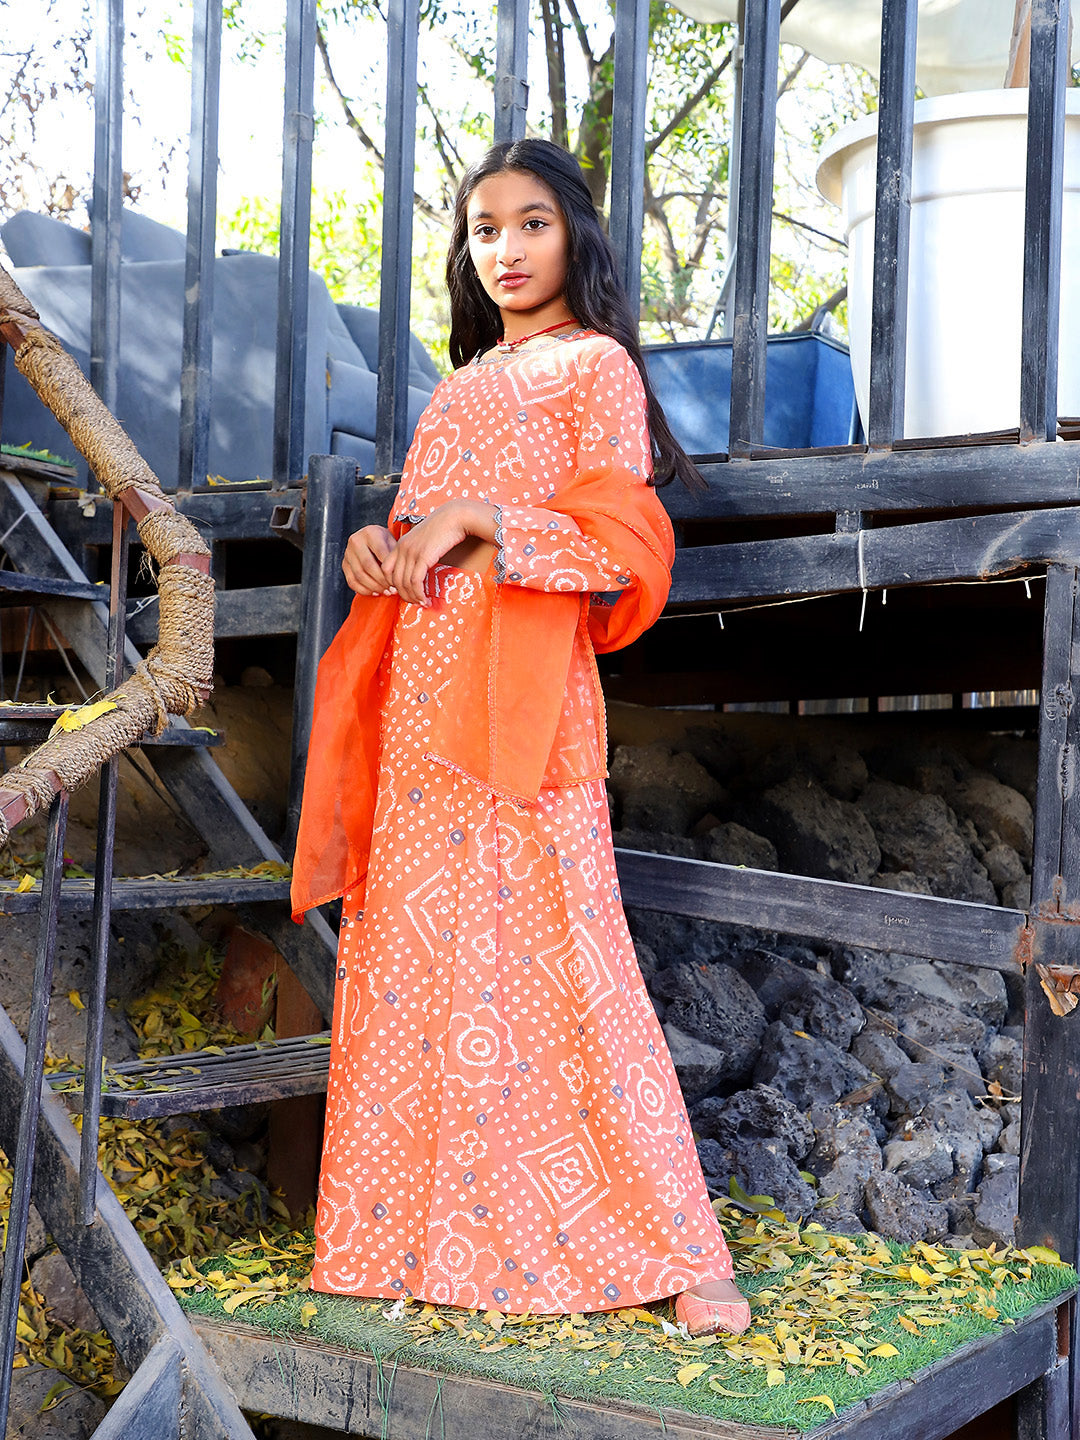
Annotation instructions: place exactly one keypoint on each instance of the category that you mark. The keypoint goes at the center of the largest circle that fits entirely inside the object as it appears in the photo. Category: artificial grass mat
(835, 1319)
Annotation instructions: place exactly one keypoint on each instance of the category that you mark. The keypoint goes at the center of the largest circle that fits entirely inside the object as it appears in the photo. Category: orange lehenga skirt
(504, 1126)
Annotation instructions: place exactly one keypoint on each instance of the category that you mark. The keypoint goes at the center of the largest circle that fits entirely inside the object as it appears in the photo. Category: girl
(504, 1125)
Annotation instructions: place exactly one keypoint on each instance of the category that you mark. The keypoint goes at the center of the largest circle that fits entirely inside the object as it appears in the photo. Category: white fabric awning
(963, 44)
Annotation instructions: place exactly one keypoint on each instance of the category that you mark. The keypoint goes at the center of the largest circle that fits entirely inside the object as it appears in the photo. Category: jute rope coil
(177, 674)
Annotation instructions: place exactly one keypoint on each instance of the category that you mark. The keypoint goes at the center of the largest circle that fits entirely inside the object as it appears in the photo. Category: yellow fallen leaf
(1043, 1255)
(75, 999)
(774, 1377)
(825, 1400)
(718, 1389)
(909, 1325)
(886, 1351)
(25, 884)
(689, 1373)
(82, 715)
(308, 1311)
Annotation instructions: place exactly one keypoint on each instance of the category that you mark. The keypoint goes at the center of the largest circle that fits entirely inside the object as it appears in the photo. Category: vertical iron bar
(892, 215)
(1042, 219)
(30, 1107)
(324, 603)
(723, 300)
(103, 876)
(628, 142)
(1049, 1201)
(107, 201)
(511, 70)
(391, 418)
(290, 374)
(757, 122)
(197, 354)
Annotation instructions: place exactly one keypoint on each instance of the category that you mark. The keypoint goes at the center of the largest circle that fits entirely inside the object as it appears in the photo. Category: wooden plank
(148, 1407)
(109, 1260)
(77, 895)
(340, 1389)
(265, 610)
(976, 548)
(920, 925)
(964, 1385)
(240, 514)
(884, 480)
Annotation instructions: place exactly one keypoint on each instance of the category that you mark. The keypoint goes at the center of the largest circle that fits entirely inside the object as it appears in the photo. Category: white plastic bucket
(966, 262)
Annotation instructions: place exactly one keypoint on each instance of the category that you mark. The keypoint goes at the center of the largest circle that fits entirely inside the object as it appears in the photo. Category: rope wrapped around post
(177, 675)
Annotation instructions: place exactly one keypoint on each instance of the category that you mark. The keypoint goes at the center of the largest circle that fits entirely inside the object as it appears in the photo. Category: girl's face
(518, 242)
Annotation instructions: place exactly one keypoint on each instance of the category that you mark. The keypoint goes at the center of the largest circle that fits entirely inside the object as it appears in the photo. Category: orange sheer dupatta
(499, 715)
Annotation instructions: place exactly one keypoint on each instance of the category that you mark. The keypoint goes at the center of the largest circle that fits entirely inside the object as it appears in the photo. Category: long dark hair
(593, 291)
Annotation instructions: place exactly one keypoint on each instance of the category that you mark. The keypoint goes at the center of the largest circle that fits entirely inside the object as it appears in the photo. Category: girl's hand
(405, 571)
(365, 554)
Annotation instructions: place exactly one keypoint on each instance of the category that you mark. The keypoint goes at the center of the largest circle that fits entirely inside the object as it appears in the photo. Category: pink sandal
(706, 1317)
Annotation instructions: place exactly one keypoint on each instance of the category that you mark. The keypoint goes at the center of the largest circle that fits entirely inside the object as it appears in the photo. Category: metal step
(140, 893)
(30, 724)
(207, 1079)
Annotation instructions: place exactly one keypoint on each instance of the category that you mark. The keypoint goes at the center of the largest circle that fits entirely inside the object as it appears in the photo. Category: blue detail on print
(549, 850)
(425, 1045)
(448, 935)
(341, 974)
(479, 1211)
(390, 998)
(612, 1291)
(561, 1238)
(679, 1218)
(522, 1065)
(521, 415)
(376, 1109)
(466, 455)
(510, 1264)
(504, 892)
(693, 1249)
(410, 1260)
(423, 697)
(590, 913)
(568, 864)
(613, 439)
(486, 996)
(397, 1284)
(515, 575)
(500, 1295)
(531, 1278)
(469, 1177)
(584, 1114)
(506, 1092)
(416, 795)
(623, 579)
(481, 1119)
(380, 1211)
(617, 1090)
(457, 837)
(528, 549)
(652, 1048)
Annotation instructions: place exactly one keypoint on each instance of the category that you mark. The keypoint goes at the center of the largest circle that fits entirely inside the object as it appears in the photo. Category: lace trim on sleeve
(500, 551)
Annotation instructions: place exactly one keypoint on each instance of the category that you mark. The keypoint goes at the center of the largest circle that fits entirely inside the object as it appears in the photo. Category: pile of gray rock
(858, 1089)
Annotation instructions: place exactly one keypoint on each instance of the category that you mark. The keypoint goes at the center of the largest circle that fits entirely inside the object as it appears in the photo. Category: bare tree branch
(556, 67)
(353, 122)
(793, 74)
(582, 36)
(688, 105)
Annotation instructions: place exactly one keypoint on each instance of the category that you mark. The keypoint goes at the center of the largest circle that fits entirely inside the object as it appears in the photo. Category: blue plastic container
(809, 392)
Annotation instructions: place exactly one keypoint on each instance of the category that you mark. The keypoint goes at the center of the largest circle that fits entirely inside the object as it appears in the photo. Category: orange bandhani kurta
(504, 1125)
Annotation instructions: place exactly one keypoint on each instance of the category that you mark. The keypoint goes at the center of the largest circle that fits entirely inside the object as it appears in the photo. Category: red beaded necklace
(507, 347)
